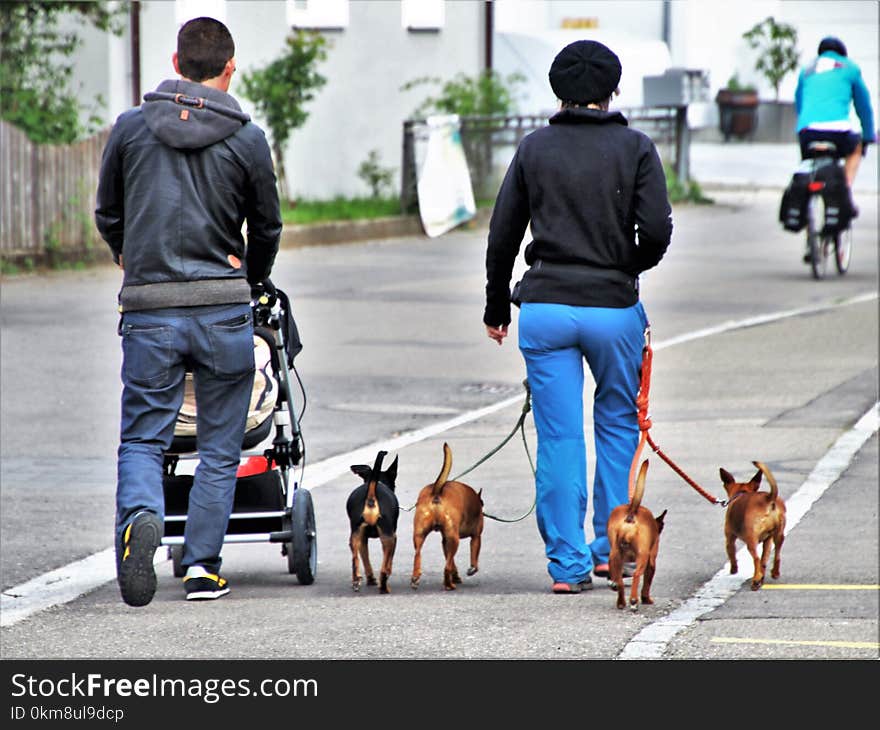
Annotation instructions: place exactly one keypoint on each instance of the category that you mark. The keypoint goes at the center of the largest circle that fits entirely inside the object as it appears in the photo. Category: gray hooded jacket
(179, 177)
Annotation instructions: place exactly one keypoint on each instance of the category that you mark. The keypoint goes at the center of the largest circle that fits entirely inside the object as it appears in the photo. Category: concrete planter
(776, 122)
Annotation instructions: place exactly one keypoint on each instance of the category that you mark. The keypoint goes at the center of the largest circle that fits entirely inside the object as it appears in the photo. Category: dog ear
(726, 476)
(391, 472)
(756, 480)
(659, 521)
(362, 470)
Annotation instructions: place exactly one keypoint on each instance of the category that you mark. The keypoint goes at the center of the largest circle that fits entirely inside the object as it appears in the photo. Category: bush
(680, 192)
(377, 178)
(485, 94)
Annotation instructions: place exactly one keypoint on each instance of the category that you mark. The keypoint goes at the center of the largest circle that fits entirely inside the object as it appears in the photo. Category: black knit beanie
(584, 72)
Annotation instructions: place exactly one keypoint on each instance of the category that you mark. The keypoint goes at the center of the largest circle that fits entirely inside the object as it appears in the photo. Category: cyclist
(826, 88)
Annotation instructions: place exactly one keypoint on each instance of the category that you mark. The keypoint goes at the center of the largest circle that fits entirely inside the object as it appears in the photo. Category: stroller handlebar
(266, 304)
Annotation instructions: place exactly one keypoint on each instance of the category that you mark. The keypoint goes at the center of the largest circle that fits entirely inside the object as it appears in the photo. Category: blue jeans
(158, 346)
(554, 340)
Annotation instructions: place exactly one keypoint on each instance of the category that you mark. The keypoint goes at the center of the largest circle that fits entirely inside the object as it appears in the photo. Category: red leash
(645, 426)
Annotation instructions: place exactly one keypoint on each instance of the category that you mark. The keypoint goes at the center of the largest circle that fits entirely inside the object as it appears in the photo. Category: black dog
(373, 510)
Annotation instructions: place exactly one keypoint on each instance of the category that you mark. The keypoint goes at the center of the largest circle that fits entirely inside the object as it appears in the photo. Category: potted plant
(737, 109)
(776, 44)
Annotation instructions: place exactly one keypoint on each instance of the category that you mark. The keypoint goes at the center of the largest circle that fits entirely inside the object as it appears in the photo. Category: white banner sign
(446, 197)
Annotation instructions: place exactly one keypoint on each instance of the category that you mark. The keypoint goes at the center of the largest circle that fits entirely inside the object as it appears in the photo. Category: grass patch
(680, 192)
(339, 209)
(347, 209)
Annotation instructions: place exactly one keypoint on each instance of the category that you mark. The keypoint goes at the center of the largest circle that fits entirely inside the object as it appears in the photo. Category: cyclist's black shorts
(844, 141)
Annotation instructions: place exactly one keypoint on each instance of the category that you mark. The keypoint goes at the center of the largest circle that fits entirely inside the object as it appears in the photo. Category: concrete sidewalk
(753, 165)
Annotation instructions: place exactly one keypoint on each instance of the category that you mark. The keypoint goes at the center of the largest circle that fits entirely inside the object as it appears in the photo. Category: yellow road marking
(819, 587)
(837, 644)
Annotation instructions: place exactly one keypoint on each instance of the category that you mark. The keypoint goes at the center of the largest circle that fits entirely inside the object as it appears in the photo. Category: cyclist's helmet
(830, 43)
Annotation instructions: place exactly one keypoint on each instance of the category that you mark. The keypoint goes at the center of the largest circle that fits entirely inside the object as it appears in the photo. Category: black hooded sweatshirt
(179, 177)
(594, 192)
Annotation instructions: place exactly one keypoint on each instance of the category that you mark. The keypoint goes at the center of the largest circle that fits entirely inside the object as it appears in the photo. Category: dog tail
(371, 512)
(774, 490)
(443, 476)
(638, 492)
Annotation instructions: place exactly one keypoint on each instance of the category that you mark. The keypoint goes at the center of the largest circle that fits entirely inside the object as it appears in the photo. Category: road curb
(322, 234)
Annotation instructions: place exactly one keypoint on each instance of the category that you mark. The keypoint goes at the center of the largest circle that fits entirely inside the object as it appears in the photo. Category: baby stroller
(269, 506)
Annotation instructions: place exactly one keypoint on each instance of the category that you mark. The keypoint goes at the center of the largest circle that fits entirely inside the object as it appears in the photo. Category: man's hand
(497, 333)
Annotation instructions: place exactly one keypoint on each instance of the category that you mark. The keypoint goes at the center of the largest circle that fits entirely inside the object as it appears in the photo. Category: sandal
(585, 585)
(602, 571)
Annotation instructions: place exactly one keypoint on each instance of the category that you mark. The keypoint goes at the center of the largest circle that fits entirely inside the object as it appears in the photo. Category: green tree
(36, 67)
(484, 94)
(776, 44)
(281, 89)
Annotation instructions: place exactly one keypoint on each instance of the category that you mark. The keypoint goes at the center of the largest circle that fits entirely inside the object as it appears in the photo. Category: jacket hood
(187, 115)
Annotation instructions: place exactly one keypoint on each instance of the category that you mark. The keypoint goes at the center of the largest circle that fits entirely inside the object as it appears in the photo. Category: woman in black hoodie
(593, 192)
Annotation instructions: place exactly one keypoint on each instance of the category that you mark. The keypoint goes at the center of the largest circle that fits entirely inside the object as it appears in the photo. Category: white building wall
(704, 34)
(362, 107)
(529, 34)
(708, 34)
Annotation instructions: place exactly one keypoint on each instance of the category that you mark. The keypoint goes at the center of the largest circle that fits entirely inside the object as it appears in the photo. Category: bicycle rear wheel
(843, 251)
(818, 245)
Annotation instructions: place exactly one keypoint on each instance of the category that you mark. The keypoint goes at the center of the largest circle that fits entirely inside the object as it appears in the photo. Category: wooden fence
(47, 197)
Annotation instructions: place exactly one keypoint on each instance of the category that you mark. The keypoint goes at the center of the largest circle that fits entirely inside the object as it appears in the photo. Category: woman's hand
(497, 333)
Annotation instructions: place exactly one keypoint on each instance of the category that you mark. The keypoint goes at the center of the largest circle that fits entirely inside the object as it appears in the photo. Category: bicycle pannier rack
(793, 210)
(835, 193)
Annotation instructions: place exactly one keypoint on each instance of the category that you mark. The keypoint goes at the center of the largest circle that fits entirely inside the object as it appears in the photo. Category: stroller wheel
(302, 551)
(175, 554)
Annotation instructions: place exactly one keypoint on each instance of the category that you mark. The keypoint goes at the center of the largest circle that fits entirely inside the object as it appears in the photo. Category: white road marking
(651, 641)
(57, 586)
(75, 579)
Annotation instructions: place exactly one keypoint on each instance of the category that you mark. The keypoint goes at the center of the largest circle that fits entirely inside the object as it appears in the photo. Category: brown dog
(456, 511)
(754, 517)
(634, 534)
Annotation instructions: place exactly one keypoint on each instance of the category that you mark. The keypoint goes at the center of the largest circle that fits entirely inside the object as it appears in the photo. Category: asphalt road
(753, 360)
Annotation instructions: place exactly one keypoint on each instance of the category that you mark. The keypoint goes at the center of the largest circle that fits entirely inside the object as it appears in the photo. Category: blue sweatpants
(554, 340)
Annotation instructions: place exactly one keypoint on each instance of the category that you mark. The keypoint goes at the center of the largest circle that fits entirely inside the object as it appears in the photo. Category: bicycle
(827, 223)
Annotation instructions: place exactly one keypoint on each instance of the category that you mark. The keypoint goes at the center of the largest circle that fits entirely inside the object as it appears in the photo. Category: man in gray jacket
(179, 177)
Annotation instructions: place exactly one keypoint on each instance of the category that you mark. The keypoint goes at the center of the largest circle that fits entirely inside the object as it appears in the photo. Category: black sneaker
(201, 585)
(134, 569)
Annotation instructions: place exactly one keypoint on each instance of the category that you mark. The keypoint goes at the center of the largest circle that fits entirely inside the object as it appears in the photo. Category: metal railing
(490, 141)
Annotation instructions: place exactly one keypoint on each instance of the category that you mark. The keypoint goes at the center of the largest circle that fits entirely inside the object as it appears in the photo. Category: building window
(323, 14)
(422, 14)
(188, 9)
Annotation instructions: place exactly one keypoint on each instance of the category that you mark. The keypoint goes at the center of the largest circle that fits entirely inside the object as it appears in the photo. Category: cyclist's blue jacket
(824, 92)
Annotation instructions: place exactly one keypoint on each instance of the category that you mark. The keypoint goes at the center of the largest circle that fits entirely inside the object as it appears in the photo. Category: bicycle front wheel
(843, 251)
